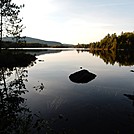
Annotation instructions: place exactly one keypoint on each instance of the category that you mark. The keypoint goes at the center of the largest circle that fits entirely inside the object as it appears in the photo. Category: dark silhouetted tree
(9, 20)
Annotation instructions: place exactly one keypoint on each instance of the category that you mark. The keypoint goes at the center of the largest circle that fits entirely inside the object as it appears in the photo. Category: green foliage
(126, 40)
(112, 42)
(107, 43)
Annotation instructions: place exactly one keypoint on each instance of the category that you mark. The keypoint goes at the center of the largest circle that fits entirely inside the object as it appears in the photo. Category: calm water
(96, 107)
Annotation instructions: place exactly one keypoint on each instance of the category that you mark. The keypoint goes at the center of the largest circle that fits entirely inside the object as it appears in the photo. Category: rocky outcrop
(82, 76)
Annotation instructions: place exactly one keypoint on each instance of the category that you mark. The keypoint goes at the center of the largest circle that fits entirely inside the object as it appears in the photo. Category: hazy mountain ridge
(34, 40)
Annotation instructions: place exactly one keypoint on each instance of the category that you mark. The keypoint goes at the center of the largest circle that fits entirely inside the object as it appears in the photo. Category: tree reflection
(11, 102)
(122, 57)
(15, 117)
(39, 87)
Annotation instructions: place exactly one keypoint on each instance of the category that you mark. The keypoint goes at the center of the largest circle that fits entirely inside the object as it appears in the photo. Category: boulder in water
(82, 76)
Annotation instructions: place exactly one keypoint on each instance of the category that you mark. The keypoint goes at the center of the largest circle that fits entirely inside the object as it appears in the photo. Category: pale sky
(76, 21)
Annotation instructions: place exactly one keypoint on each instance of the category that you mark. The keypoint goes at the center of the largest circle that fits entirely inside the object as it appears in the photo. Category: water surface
(98, 106)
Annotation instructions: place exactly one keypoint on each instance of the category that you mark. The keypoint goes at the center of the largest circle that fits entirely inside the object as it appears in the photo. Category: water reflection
(39, 87)
(99, 108)
(131, 97)
(131, 114)
(15, 116)
(122, 57)
(11, 103)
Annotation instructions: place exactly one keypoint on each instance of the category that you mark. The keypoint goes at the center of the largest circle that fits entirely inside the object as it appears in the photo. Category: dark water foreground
(15, 116)
(68, 91)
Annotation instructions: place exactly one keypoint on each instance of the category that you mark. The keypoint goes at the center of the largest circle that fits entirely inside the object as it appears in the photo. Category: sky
(76, 21)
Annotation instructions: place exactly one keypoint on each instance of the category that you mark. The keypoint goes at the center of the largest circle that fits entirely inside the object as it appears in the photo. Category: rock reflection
(131, 114)
(130, 96)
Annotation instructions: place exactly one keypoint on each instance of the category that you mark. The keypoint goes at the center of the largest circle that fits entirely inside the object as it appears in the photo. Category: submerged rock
(82, 76)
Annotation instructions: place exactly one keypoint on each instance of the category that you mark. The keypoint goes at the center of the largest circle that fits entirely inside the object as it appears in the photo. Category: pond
(104, 104)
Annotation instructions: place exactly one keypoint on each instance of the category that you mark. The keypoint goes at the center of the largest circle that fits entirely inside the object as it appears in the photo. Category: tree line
(112, 42)
(7, 44)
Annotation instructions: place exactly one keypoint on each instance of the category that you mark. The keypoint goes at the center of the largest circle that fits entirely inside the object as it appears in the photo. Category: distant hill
(68, 45)
(34, 40)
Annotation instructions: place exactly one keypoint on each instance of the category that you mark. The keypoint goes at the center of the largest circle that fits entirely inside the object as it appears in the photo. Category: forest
(7, 44)
(112, 42)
